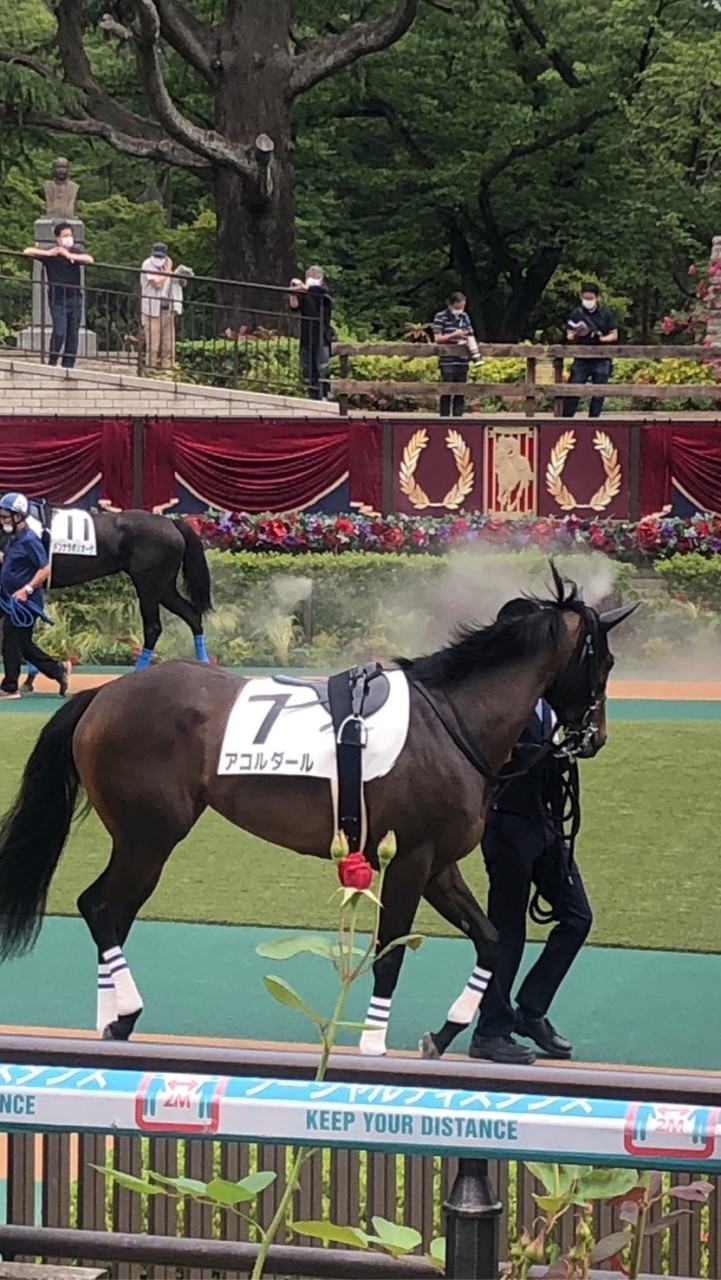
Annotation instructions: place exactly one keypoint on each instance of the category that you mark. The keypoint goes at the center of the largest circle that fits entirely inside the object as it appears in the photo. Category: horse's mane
(504, 641)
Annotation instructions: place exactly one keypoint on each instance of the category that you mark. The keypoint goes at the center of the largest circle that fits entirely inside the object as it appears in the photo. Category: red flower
(543, 530)
(392, 537)
(73, 659)
(276, 530)
(418, 535)
(355, 872)
(196, 523)
(495, 530)
(344, 525)
(459, 525)
(647, 534)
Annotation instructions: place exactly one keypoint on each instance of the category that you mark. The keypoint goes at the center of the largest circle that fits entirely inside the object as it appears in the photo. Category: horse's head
(578, 692)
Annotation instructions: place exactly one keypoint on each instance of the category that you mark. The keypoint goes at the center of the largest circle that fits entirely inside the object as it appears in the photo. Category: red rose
(355, 872)
(703, 528)
(543, 530)
(392, 538)
(344, 525)
(459, 525)
(276, 530)
(418, 535)
(495, 530)
(196, 523)
(647, 534)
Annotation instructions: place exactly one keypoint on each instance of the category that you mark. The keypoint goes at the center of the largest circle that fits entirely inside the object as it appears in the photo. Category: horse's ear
(558, 583)
(614, 616)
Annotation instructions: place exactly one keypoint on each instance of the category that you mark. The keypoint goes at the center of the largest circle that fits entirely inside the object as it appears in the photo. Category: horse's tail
(196, 573)
(33, 832)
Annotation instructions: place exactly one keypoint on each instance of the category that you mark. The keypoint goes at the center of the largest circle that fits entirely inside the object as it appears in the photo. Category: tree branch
(204, 142)
(531, 148)
(564, 68)
(189, 36)
(84, 126)
(331, 53)
(379, 107)
(28, 60)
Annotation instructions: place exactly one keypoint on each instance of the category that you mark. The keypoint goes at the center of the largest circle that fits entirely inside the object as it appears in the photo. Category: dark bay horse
(147, 750)
(153, 551)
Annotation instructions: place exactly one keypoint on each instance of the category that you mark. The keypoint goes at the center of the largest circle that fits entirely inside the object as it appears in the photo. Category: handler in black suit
(523, 847)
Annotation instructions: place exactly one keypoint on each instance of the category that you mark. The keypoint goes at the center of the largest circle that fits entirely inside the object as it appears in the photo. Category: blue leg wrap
(143, 659)
(201, 652)
(32, 671)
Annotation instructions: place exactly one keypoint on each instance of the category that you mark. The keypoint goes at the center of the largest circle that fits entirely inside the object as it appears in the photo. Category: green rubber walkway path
(206, 980)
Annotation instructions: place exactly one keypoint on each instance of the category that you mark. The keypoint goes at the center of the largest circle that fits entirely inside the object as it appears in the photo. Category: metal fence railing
(225, 333)
(67, 1105)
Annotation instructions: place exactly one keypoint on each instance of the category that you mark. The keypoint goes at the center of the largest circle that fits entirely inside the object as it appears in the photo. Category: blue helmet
(16, 502)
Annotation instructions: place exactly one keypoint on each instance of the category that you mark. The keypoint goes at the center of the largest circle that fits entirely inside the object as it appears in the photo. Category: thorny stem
(328, 1034)
(639, 1232)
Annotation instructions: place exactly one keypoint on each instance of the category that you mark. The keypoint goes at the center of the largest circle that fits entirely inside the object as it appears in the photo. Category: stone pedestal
(37, 336)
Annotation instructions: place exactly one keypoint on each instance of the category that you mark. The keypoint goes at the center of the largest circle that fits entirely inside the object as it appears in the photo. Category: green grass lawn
(649, 848)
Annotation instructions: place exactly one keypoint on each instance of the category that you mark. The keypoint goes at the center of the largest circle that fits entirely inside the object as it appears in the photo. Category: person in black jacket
(523, 847)
(312, 298)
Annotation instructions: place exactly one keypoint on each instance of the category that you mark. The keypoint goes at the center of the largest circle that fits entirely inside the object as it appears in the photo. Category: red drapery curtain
(54, 458)
(690, 456)
(270, 465)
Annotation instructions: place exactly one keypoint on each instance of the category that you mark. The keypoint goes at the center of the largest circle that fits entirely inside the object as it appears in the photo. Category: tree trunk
(256, 233)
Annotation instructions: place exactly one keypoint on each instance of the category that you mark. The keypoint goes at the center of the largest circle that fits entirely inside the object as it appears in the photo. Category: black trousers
(596, 370)
(453, 404)
(520, 854)
(18, 647)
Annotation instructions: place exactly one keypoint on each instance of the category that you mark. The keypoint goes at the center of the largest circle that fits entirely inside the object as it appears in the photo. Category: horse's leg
(172, 600)
(452, 899)
(402, 888)
(149, 602)
(109, 907)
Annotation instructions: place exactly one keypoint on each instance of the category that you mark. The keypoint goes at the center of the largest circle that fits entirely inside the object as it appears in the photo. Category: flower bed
(641, 543)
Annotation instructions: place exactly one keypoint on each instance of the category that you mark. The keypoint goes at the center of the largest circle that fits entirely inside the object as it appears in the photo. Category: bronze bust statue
(60, 192)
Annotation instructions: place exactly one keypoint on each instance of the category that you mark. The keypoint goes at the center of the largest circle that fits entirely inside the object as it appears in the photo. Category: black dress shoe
(501, 1049)
(544, 1034)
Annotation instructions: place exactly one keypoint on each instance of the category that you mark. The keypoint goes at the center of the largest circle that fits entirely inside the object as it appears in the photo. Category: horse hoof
(428, 1047)
(122, 1028)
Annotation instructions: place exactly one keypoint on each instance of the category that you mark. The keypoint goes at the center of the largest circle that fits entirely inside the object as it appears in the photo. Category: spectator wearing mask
(453, 325)
(156, 308)
(62, 265)
(590, 325)
(312, 298)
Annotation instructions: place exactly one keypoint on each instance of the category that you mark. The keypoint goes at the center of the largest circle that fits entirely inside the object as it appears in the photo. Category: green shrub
(693, 578)
(363, 605)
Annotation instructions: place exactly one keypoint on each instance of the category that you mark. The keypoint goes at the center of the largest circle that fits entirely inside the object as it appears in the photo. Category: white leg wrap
(373, 1041)
(107, 1004)
(129, 999)
(463, 1010)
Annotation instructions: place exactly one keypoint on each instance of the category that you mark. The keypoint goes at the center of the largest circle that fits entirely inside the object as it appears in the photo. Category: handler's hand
(21, 594)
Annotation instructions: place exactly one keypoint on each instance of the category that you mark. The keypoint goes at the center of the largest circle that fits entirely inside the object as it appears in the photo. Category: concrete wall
(27, 387)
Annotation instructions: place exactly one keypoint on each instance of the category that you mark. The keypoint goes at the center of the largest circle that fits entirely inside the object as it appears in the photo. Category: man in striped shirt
(453, 325)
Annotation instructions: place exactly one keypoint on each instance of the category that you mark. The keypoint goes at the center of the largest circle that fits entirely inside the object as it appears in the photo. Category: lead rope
(566, 825)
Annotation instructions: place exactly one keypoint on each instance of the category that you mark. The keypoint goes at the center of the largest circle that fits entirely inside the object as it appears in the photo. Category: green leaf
(437, 1252)
(130, 1183)
(224, 1192)
(284, 994)
(295, 945)
(396, 1239)
(184, 1186)
(551, 1204)
(548, 1174)
(410, 940)
(610, 1246)
(330, 1233)
(602, 1184)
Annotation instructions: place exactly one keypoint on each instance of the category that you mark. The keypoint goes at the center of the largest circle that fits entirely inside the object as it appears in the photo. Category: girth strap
(347, 694)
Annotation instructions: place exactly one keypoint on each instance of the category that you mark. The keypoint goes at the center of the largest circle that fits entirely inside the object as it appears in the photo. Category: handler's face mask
(589, 303)
(7, 525)
(67, 242)
(156, 261)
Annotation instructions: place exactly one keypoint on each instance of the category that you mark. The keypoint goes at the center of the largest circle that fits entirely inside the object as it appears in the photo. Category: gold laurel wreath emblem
(605, 494)
(416, 495)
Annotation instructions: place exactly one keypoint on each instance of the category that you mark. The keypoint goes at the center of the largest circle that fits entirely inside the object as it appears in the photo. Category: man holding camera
(590, 325)
(453, 325)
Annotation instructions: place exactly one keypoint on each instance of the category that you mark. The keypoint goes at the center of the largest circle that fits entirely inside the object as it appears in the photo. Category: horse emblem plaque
(510, 487)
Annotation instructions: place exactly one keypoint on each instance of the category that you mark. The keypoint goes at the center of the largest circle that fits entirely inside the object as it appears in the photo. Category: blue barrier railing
(452, 1122)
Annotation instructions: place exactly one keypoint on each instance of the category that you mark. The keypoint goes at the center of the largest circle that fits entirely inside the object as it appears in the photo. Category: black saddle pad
(377, 696)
